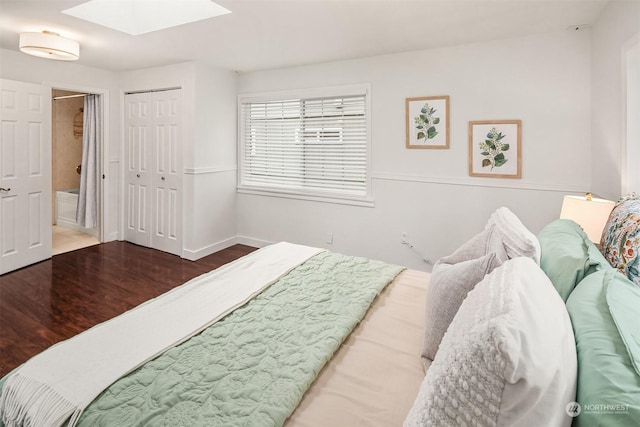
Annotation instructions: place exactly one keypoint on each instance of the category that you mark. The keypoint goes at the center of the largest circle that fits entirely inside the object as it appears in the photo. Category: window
(315, 144)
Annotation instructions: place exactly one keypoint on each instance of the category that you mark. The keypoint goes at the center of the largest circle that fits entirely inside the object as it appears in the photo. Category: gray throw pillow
(487, 241)
(448, 288)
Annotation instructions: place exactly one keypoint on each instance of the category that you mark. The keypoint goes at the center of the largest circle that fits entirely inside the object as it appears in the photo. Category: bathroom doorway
(68, 118)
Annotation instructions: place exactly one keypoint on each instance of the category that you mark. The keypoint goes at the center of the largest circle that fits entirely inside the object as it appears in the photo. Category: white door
(25, 175)
(138, 127)
(153, 177)
(167, 172)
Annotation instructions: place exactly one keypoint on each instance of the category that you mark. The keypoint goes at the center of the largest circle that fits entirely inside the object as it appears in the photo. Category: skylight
(144, 16)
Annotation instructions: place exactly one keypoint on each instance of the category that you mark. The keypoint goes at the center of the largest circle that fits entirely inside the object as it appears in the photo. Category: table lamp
(589, 212)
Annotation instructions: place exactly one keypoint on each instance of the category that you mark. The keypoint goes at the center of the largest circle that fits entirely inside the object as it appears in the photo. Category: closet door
(25, 175)
(153, 176)
(167, 172)
(138, 153)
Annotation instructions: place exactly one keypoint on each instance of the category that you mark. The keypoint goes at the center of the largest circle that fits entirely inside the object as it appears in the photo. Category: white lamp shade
(591, 214)
(49, 45)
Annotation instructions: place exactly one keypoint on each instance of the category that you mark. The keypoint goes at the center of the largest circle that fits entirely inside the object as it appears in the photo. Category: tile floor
(66, 240)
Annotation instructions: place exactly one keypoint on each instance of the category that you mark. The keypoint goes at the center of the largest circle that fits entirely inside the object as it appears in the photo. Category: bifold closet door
(153, 176)
(167, 172)
(25, 174)
(138, 127)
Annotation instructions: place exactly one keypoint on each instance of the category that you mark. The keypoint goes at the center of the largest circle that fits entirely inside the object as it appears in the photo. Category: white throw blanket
(60, 382)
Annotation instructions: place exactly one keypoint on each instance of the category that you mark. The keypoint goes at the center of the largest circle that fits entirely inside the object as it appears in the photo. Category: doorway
(68, 118)
(26, 176)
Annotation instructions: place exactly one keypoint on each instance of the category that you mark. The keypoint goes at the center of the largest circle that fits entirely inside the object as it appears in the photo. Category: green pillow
(608, 382)
(623, 298)
(568, 255)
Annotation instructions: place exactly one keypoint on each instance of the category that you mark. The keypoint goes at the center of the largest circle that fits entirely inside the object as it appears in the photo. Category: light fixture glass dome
(49, 45)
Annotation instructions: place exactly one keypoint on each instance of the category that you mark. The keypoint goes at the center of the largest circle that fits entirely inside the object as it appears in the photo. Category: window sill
(364, 202)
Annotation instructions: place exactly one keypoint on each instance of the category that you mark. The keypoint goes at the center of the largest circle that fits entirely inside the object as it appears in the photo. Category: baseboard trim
(111, 237)
(250, 241)
(194, 255)
(72, 225)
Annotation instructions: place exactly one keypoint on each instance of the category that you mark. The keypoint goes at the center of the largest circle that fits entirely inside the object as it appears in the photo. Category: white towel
(60, 382)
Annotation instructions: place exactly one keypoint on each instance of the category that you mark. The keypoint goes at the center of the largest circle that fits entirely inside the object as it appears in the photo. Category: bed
(371, 379)
(348, 341)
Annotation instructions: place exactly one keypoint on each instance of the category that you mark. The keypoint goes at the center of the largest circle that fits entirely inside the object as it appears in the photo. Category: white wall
(612, 35)
(565, 86)
(19, 66)
(212, 207)
(631, 172)
(543, 80)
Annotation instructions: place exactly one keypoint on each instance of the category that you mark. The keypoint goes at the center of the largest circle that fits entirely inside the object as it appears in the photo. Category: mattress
(375, 376)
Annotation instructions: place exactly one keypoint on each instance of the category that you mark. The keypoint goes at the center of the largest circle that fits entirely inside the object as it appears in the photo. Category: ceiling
(264, 34)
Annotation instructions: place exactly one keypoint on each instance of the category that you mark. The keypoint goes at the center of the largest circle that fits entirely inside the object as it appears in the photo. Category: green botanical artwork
(492, 150)
(425, 123)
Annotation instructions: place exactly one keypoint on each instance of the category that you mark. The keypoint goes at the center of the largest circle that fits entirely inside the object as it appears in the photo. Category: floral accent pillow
(621, 238)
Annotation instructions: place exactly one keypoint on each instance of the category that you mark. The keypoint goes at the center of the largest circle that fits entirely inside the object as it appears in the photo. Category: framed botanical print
(495, 148)
(427, 122)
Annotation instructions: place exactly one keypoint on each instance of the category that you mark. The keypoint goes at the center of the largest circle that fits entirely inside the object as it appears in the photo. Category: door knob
(5, 189)
(162, 178)
(138, 175)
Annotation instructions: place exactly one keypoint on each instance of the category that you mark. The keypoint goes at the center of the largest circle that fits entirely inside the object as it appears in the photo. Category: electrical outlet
(329, 238)
(403, 237)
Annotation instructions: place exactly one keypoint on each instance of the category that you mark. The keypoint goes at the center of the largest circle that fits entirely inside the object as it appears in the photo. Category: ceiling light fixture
(49, 45)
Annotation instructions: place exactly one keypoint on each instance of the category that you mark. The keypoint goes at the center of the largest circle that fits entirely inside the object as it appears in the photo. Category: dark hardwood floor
(71, 292)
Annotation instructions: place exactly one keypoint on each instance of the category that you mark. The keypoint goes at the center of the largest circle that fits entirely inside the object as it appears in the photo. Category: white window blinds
(312, 146)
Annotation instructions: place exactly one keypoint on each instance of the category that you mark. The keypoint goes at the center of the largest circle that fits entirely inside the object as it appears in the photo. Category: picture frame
(495, 148)
(427, 122)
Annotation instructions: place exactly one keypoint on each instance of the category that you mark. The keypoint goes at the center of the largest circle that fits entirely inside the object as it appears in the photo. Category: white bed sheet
(374, 377)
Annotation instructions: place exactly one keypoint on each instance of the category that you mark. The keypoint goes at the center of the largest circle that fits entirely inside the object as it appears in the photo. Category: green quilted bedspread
(252, 367)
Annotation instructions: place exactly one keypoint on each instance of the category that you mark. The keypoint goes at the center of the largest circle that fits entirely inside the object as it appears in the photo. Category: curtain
(87, 212)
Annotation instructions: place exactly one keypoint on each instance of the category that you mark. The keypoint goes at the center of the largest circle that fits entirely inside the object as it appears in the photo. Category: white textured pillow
(453, 276)
(508, 358)
(517, 239)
